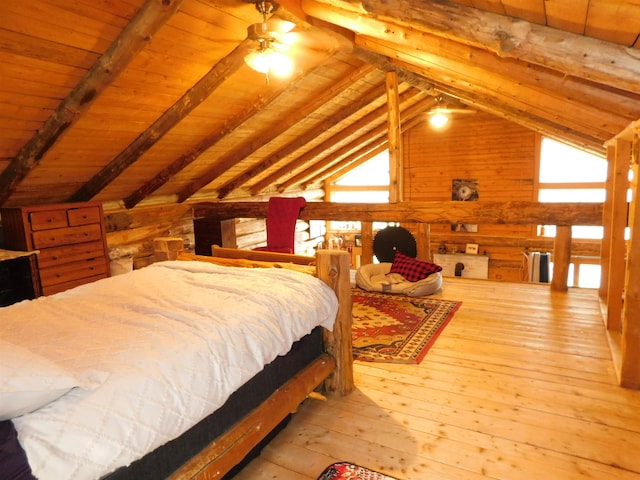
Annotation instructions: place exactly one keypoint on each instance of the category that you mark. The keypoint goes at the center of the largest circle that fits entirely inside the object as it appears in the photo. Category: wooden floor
(520, 385)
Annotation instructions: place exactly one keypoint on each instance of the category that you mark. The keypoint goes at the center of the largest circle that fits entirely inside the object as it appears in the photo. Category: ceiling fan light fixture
(438, 119)
(268, 60)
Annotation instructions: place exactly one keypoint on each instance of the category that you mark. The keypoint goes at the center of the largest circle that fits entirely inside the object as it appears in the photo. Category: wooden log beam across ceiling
(571, 54)
(310, 135)
(376, 135)
(347, 164)
(219, 73)
(447, 60)
(366, 150)
(480, 212)
(259, 141)
(260, 103)
(316, 157)
(133, 38)
(543, 94)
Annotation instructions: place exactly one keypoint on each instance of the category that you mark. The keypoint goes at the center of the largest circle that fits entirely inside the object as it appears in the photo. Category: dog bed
(377, 277)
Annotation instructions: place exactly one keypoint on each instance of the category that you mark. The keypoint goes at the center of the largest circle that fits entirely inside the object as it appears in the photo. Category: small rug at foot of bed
(349, 471)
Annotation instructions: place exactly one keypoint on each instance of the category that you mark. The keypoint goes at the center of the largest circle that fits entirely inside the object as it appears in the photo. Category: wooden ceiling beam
(410, 118)
(552, 107)
(607, 107)
(345, 165)
(309, 136)
(375, 133)
(133, 38)
(220, 72)
(210, 140)
(373, 121)
(571, 54)
(445, 212)
(260, 141)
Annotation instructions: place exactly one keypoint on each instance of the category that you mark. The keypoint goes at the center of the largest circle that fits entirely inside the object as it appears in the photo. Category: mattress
(154, 351)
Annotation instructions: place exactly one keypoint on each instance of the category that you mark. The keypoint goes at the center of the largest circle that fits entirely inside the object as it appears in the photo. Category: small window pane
(577, 231)
(588, 195)
(374, 172)
(360, 196)
(560, 163)
(589, 276)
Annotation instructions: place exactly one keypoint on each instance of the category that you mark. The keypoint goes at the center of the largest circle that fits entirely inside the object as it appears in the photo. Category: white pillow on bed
(29, 381)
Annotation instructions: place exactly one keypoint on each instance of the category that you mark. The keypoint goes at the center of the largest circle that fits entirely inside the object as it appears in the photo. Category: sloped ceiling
(137, 101)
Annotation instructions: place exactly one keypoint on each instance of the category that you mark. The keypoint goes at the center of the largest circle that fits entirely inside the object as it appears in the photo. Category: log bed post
(332, 267)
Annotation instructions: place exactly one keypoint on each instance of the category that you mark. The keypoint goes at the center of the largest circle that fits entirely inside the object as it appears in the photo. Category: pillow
(411, 269)
(29, 381)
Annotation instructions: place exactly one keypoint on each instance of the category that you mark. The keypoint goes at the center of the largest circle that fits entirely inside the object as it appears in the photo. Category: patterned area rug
(349, 471)
(397, 328)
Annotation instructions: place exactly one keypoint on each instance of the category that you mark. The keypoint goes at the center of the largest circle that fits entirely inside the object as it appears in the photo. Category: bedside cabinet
(475, 266)
(18, 277)
(70, 238)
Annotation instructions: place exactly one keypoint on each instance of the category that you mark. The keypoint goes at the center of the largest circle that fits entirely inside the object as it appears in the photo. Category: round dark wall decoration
(390, 239)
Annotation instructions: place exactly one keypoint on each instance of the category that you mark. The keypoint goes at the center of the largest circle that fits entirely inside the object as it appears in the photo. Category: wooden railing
(563, 215)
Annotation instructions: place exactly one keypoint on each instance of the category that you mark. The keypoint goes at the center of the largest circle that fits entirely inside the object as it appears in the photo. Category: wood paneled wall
(502, 157)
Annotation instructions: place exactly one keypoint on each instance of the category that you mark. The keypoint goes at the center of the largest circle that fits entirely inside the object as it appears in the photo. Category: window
(367, 183)
(568, 174)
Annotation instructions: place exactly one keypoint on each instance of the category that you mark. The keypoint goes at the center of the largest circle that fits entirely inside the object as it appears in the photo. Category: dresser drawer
(50, 257)
(83, 216)
(66, 236)
(61, 287)
(72, 271)
(48, 219)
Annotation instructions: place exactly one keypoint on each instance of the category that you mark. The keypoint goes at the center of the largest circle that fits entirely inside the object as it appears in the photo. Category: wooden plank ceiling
(143, 101)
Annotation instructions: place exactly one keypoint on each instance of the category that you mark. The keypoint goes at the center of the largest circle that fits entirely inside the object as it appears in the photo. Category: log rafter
(133, 38)
(571, 54)
(375, 136)
(315, 158)
(366, 150)
(394, 38)
(179, 110)
(298, 116)
(209, 141)
(311, 134)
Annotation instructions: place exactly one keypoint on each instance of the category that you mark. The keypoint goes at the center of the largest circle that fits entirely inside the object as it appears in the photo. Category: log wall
(502, 157)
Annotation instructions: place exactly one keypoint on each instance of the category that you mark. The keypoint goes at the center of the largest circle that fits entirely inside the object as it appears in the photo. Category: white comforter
(168, 343)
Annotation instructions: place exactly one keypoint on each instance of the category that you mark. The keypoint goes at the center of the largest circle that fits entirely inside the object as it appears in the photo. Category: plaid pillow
(411, 269)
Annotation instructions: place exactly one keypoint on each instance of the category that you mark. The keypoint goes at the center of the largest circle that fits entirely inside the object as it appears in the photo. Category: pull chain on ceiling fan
(268, 58)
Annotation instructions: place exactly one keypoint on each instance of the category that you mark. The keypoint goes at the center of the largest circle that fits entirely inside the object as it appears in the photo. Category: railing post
(367, 243)
(561, 258)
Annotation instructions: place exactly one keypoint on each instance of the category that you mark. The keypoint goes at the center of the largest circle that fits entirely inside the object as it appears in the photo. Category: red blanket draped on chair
(282, 214)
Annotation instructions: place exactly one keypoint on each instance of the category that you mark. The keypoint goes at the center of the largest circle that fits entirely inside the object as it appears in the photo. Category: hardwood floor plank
(520, 385)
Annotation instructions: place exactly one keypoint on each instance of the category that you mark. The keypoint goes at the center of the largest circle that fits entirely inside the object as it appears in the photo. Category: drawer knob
(55, 257)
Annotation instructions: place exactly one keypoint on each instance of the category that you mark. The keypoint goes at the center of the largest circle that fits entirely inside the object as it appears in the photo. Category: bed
(234, 380)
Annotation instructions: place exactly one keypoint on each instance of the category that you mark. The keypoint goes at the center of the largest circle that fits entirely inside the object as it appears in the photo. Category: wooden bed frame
(333, 370)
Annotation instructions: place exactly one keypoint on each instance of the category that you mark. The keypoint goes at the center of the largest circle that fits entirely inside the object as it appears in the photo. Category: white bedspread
(172, 341)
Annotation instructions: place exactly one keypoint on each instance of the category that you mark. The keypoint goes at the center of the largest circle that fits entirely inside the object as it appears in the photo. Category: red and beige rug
(349, 471)
(397, 328)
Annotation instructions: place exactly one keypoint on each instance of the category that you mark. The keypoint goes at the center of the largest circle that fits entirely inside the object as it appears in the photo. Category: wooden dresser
(71, 239)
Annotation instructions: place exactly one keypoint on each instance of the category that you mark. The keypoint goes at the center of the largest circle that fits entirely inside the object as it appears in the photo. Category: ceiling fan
(273, 37)
(444, 109)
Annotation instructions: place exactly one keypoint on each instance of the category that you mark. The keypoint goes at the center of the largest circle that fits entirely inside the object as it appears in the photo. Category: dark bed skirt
(167, 458)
